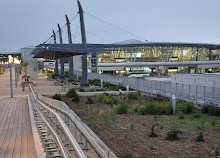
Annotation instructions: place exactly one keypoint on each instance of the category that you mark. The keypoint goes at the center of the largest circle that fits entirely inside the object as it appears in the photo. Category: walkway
(16, 139)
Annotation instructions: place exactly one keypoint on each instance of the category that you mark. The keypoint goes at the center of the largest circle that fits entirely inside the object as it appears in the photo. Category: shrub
(99, 98)
(159, 98)
(200, 137)
(122, 108)
(185, 107)
(82, 90)
(57, 97)
(110, 100)
(196, 116)
(152, 133)
(90, 101)
(181, 116)
(132, 125)
(173, 134)
(72, 94)
(133, 96)
(211, 109)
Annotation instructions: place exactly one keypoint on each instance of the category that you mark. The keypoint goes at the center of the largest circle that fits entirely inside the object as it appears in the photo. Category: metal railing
(99, 147)
(63, 126)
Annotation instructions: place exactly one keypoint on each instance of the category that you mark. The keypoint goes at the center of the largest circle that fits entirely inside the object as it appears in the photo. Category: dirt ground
(127, 135)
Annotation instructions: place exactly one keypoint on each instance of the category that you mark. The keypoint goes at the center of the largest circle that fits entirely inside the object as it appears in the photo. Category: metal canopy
(77, 49)
(55, 53)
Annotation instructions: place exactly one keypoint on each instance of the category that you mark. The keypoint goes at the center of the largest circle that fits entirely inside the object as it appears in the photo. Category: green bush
(200, 137)
(110, 100)
(196, 116)
(181, 116)
(90, 101)
(82, 90)
(122, 108)
(173, 134)
(211, 109)
(152, 133)
(159, 98)
(57, 97)
(185, 107)
(133, 96)
(73, 94)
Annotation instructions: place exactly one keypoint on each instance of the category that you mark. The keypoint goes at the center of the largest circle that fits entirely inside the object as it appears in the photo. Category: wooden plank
(31, 148)
(24, 145)
(17, 147)
(11, 145)
(7, 131)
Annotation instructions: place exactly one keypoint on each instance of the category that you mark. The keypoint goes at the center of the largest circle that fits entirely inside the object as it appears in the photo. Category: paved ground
(16, 138)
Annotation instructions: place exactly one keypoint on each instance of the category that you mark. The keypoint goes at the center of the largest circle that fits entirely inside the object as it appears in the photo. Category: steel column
(84, 44)
(56, 63)
(71, 73)
(62, 59)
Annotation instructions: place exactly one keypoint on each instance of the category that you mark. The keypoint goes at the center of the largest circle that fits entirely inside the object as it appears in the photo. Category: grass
(72, 94)
(173, 134)
(122, 108)
(133, 96)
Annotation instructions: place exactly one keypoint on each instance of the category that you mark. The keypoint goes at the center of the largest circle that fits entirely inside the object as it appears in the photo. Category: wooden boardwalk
(16, 139)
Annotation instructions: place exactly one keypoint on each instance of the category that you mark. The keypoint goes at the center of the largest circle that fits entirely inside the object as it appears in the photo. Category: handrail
(94, 145)
(59, 141)
(87, 136)
(72, 140)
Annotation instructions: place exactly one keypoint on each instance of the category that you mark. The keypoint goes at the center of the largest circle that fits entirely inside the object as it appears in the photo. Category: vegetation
(152, 133)
(173, 134)
(122, 108)
(200, 137)
(106, 85)
(211, 109)
(110, 100)
(164, 108)
(133, 96)
(74, 95)
(132, 125)
(57, 97)
(82, 90)
(90, 101)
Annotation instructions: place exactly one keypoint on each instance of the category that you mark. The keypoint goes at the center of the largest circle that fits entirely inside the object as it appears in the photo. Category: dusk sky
(29, 23)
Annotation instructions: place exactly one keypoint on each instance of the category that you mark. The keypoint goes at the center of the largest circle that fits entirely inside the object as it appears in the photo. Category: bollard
(174, 103)
(23, 86)
(101, 83)
(127, 89)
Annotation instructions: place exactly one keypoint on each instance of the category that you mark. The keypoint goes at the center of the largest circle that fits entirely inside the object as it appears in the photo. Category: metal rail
(59, 141)
(66, 130)
(100, 152)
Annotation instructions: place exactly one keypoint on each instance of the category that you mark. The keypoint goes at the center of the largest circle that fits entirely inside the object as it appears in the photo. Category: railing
(98, 146)
(64, 127)
(195, 93)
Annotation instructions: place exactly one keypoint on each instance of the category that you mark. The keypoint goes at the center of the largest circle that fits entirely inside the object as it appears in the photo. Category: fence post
(182, 90)
(189, 91)
(176, 90)
(101, 83)
(127, 89)
(160, 88)
(165, 90)
(204, 94)
(196, 94)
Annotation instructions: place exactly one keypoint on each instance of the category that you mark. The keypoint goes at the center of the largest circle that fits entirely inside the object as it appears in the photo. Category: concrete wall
(209, 80)
(32, 62)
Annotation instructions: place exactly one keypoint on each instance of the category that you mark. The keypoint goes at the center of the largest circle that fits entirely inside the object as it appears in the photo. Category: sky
(30, 22)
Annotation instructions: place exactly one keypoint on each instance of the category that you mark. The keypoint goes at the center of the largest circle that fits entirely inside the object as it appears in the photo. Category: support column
(56, 63)
(62, 59)
(71, 73)
(84, 44)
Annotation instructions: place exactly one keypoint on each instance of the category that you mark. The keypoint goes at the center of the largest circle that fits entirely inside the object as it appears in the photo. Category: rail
(59, 141)
(96, 147)
(66, 130)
